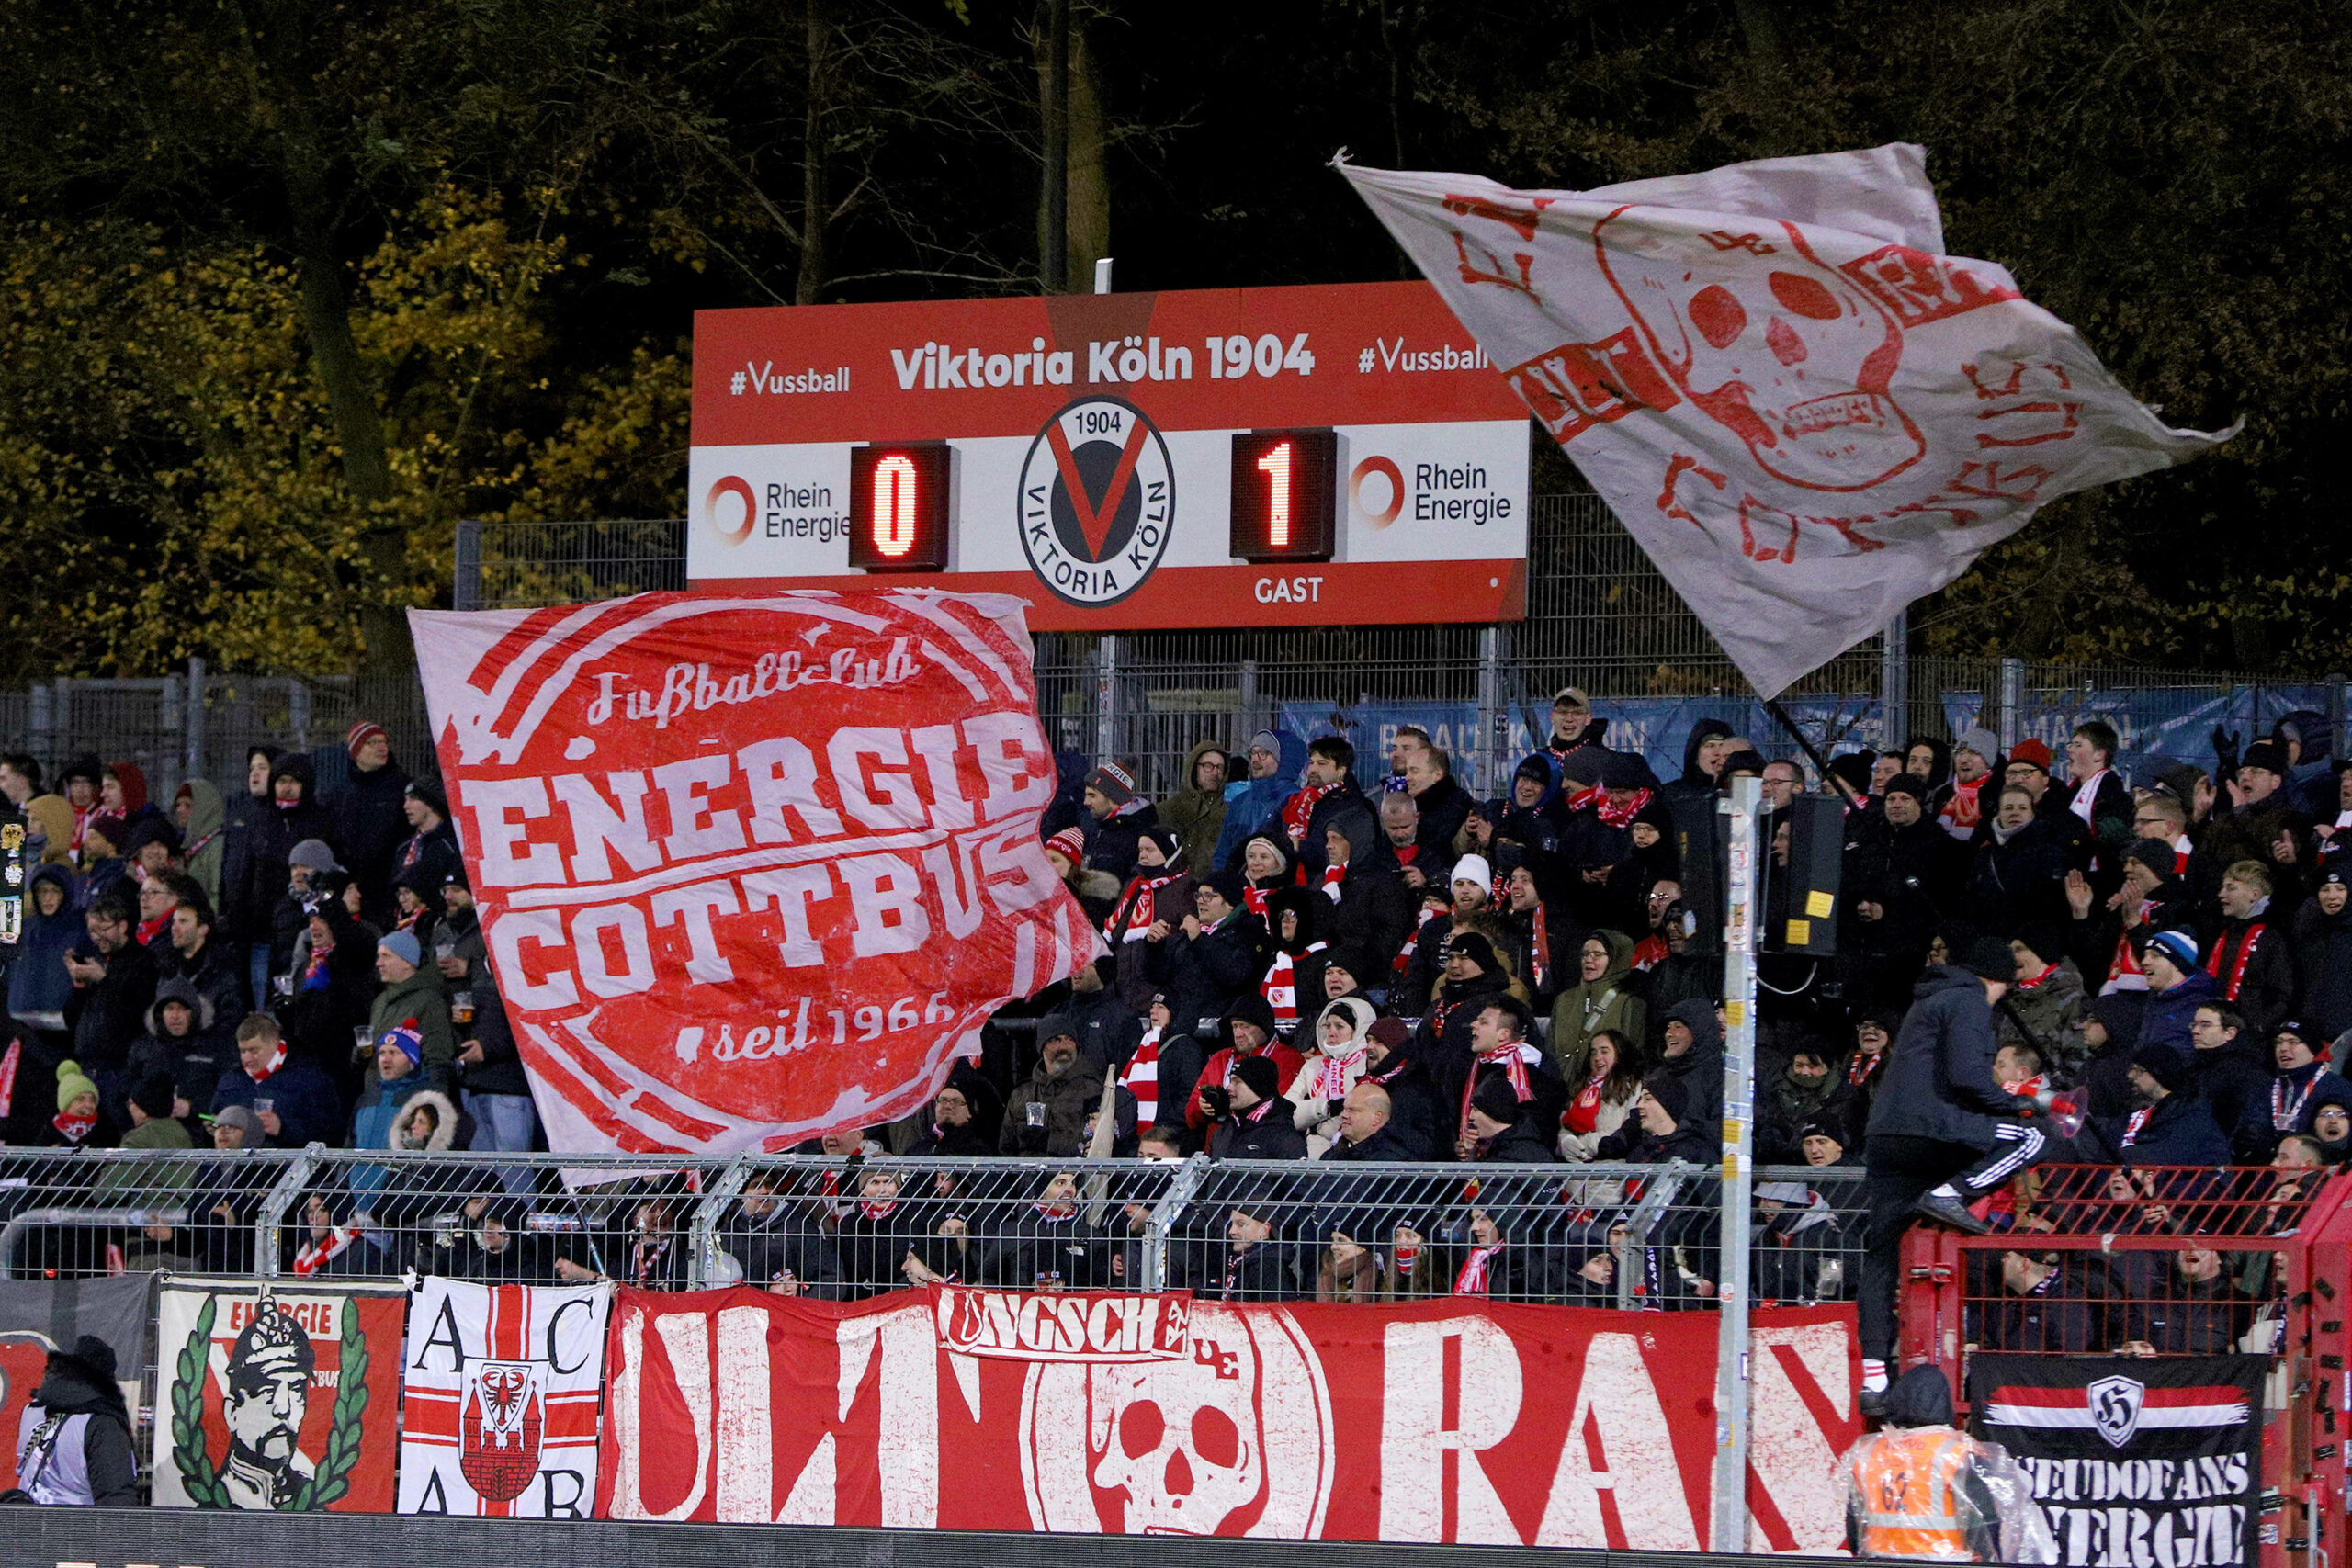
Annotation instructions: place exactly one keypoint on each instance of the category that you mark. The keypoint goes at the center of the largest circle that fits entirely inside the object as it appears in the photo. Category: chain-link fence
(1623, 1235)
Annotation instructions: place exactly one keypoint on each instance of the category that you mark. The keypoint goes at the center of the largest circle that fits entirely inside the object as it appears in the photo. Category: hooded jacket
(276, 830)
(2322, 944)
(1610, 1003)
(1695, 784)
(1938, 1083)
(365, 824)
(1197, 815)
(88, 1460)
(1699, 1069)
(2171, 1015)
(50, 818)
(2180, 1130)
(1375, 911)
(242, 814)
(192, 1061)
(1249, 803)
(206, 842)
(1068, 1097)
(2050, 1017)
(39, 986)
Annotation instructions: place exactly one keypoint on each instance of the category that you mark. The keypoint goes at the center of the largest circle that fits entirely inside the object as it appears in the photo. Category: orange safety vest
(1904, 1483)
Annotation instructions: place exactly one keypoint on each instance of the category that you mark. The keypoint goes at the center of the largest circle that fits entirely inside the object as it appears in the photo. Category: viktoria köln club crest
(1098, 496)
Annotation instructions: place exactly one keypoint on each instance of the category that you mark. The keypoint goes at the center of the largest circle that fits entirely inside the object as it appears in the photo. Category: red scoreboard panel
(1278, 456)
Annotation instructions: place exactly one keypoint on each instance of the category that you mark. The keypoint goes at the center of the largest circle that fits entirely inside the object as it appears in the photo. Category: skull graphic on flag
(1806, 414)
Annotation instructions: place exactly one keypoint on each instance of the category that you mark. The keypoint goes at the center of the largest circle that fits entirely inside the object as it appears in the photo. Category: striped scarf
(1299, 810)
(2244, 955)
(1332, 877)
(1138, 909)
(1472, 1280)
(1331, 1075)
(1280, 987)
(319, 1254)
(1140, 1077)
(1621, 816)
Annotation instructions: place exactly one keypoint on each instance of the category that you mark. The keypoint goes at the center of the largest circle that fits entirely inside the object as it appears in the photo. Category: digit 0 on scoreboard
(899, 506)
(1284, 489)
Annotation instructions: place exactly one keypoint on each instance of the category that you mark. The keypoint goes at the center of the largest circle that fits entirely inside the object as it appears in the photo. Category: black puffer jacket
(275, 829)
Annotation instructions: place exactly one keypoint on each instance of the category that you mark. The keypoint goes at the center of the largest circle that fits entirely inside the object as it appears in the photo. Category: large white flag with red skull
(1807, 413)
(750, 867)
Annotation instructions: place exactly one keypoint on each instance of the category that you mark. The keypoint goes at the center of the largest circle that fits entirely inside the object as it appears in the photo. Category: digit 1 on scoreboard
(1284, 495)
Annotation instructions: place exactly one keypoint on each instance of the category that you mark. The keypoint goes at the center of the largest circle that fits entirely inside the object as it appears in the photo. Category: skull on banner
(1785, 352)
(1234, 1437)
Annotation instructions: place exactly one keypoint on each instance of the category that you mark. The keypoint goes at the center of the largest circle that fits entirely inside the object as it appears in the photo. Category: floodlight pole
(1743, 892)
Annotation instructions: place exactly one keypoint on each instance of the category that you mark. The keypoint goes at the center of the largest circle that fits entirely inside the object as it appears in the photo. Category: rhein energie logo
(1098, 498)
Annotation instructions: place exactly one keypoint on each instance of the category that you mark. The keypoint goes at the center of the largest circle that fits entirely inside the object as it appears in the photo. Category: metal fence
(1625, 1236)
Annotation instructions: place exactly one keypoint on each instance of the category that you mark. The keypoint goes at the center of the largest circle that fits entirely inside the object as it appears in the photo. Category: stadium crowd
(1314, 957)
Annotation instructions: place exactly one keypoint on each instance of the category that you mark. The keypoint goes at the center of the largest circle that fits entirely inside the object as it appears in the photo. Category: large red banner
(750, 867)
(1439, 1420)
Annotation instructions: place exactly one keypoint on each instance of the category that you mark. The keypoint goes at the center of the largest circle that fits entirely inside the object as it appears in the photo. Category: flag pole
(1742, 898)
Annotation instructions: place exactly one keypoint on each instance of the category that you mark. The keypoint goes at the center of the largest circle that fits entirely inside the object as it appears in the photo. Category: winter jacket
(275, 829)
(2234, 1081)
(1262, 1131)
(500, 1071)
(1202, 974)
(1443, 1041)
(1307, 849)
(1939, 1083)
(2180, 1130)
(1445, 807)
(2263, 990)
(2049, 1016)
(325, 1008)
(70, 1407)
(367, 822)
(2017, 881)
(214, 974)
(2170, 1015)
(1197, 815)
(1613, 1003)
(1125, 929)
(309, 1110)
(1065, 1099)
(2322, 944)
(1111, 841)
(109, 1014)
(1375, 911)
(205, 843)
(194, 1061)
(39, 986)
(1699, 1069)
(1248, 802)
(423, 997)
(241, 816)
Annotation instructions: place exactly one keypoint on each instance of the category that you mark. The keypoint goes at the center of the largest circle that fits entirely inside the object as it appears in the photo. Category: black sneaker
(1873, 1403)
(1950, 1212)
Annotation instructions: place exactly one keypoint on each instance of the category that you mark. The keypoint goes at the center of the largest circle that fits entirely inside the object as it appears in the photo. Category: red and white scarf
(9, 1061)
(1058, 1210)
(1332, 877)
(76, 1128)
(1140, 1077)
(1583, 1114)
(1650, 952)
(1280, 987)
(1331, 1071)
(2025, 1088)
(2085, 796)
(1138, 908)
(319, 1254)
(1539, 951)
(1300, 808)
(2132, 1124)
(876, 1208)
(2123, 972)
(276, 1060)
(1472, 1280)
(1621, 816)
(1865, 1063)
(2244, 955)
(1965, 809)
(1512, 1059)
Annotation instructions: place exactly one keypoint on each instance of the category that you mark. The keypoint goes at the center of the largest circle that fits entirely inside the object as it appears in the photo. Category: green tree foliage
(287, 289)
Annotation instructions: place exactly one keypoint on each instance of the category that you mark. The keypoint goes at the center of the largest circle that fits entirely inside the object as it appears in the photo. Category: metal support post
(1165, 1216)
(702, 1232)
(2012, 702)
(37, 724)
(1494, 718)
(194, 728)
(1106, 698)
(1894, 682)
(1743, 899)
(171, 721)
(270, 1224)
(298, 713)
(61, 720)
(1246, 677)
(465, 589)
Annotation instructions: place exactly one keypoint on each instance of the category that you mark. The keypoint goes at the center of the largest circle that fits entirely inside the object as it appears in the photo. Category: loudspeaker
(1699, 835)
(1804, 899)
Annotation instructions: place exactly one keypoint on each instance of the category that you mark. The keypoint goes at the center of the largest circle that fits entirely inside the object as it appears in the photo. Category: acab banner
(2157, 1460)
(277, 1400)
(501, 1386)
(1807, 413)
(750, 867)
(1438, 1420)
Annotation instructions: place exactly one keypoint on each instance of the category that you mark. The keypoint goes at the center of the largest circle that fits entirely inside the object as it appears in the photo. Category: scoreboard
(1275, 456)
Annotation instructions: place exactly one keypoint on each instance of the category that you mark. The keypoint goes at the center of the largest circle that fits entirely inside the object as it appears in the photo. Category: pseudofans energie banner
(750, 867)
(1807, 413)
(2155, 1460)
(1439, 1420)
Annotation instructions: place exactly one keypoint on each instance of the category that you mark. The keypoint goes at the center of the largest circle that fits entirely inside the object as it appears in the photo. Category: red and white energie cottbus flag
(1807, 413)
(750, 867)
